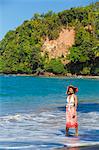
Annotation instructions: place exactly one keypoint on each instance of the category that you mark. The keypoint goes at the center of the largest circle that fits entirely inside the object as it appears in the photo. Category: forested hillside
(20, 49)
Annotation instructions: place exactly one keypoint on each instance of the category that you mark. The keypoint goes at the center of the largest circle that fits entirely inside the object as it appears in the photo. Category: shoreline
(50, 75)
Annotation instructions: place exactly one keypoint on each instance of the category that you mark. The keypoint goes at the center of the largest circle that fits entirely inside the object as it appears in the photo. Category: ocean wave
(48, 126)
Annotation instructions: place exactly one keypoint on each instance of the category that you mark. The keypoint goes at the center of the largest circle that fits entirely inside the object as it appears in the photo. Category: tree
(55, 66)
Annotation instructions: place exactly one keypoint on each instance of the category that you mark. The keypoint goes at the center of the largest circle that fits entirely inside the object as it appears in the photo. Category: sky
(14, 12)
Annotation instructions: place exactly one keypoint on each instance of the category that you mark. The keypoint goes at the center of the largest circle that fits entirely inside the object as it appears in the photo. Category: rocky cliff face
(60, 46)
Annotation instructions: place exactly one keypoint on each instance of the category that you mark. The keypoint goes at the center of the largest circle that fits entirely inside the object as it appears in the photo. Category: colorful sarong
(71, 117)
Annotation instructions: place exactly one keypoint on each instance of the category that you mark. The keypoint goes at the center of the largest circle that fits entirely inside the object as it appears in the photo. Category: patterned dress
(71, 114)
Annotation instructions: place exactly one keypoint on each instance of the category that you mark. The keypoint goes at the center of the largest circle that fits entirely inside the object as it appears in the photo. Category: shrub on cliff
(55, 66)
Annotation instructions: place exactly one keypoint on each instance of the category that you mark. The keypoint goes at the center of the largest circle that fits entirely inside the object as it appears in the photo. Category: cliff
(60, 46)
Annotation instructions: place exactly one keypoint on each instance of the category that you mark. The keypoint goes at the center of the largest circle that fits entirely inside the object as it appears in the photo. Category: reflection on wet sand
(69, 148)
(73, 148)
(73, 142)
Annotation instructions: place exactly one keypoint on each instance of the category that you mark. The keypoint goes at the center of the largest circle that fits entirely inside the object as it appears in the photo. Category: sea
(33, 115)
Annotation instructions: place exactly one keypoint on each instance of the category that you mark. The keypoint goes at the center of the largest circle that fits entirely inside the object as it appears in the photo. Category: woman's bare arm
(76, 101)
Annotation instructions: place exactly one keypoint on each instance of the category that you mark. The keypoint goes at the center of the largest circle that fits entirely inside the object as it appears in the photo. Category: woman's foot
(66, 134)
(76, 131)
(76, 134)
(67, 129)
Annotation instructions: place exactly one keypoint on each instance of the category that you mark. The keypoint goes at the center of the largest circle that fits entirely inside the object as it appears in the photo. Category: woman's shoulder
(74, 95)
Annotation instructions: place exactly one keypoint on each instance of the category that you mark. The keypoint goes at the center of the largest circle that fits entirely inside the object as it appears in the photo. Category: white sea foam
(17, 147)
(81, 144)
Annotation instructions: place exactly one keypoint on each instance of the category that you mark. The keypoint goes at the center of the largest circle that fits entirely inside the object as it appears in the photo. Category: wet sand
(96, 147)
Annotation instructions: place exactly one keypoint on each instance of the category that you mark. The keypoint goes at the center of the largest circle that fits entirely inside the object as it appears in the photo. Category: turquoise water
(32, 112)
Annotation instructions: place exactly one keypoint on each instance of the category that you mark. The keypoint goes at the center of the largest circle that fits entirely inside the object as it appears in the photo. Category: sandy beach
(53, 75)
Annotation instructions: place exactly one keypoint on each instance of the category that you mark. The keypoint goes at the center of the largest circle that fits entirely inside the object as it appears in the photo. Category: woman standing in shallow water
(71, 106)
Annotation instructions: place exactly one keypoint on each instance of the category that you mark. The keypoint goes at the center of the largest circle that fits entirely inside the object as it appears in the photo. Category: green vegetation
(55, 66)
(20, 50)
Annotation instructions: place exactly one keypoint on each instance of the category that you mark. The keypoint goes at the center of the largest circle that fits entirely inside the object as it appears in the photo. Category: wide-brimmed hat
(75, 89)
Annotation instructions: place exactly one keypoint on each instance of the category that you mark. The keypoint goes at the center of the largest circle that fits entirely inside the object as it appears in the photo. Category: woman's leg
(67, 129)
(76, 131)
